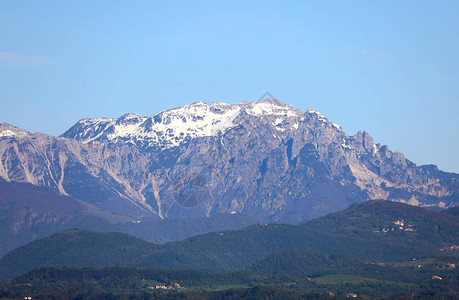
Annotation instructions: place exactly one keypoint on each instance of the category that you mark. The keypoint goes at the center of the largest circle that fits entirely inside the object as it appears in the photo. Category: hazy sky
(388, 67)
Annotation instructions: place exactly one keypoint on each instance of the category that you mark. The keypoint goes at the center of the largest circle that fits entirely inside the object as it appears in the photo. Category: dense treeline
(114, 278)
(230, 294)
(277, 276)
(303, 264)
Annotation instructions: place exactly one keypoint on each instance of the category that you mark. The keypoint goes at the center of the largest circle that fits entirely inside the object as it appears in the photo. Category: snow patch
(321, 116)
(345, 146)
(264, 108)
(374, 149)
(336, 126)
(8, 132)
(278, 121)
(172, 127)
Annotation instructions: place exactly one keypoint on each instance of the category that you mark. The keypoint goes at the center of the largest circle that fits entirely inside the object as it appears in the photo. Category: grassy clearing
(414, 263)
(340, 279)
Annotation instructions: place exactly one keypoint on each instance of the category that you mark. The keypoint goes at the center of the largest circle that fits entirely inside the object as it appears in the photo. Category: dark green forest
(291, 274)
(375, 249)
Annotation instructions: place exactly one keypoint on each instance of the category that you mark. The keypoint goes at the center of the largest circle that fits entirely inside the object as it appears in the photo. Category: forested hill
(371, 231)
(75, 247)
(400, 221)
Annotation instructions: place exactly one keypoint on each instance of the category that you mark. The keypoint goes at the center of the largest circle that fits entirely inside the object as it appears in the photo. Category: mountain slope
(391, 219)
(304, 264)
(357, 232)
(266, 160)
(241, 248)
(77, 248)
(28, 212)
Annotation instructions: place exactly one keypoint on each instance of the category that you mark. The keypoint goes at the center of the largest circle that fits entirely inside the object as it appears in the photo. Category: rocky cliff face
(265, 159)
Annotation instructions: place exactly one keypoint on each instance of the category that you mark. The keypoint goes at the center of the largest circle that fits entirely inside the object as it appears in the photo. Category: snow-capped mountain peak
(265, 159)
(10, 130)
(171, 127)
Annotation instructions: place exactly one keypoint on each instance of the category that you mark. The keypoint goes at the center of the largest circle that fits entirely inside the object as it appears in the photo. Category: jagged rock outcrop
(266, 159)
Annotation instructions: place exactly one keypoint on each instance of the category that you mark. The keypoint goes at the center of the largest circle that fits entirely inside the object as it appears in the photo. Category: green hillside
(235, 249)
(77, 248)
(364, 232)
(370, 219)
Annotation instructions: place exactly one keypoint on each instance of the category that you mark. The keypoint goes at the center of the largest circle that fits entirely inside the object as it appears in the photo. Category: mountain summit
(263, 159)
(174, 126)
(10, 130)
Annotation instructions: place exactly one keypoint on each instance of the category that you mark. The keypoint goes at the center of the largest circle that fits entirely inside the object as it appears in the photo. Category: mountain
(266, 160)
(29, 212)
(355, 233)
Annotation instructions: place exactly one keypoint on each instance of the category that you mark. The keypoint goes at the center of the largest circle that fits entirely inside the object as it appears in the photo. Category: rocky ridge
(264, 159)
(172, 127)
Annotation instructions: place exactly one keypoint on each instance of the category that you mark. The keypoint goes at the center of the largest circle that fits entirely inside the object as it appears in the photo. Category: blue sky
(388, 67)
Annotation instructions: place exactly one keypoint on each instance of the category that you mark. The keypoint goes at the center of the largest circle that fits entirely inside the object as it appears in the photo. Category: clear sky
(388, 67)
